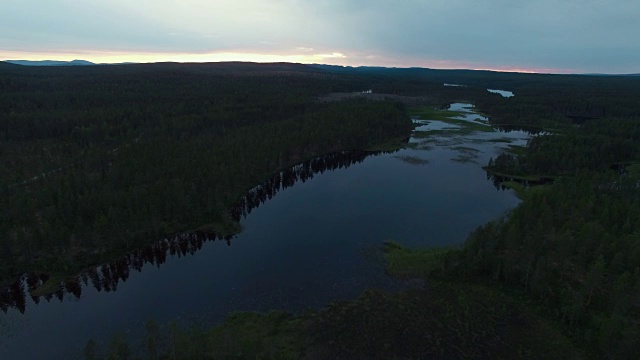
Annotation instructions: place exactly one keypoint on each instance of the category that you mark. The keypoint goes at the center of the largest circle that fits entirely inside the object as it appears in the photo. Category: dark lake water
(311, 243)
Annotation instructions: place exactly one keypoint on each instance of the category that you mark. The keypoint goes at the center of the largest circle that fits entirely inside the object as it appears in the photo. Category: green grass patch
(409, 263)
(471, 126)
(634, 170)
(430, 113)
(274, 335)
(524, 192)
(518, 188)
(517, 149)
(447, 116)
(246, 335)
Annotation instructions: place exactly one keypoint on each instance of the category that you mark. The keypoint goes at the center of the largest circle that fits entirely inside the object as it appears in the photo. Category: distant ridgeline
(50, 63)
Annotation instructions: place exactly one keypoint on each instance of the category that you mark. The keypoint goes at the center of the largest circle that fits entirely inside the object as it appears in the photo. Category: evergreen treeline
(98, 161)
(106, 277)
(572, 247)
(594, 145)
(540, 99)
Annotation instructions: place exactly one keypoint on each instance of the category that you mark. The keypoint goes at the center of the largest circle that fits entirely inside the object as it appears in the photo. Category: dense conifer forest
(97, 162)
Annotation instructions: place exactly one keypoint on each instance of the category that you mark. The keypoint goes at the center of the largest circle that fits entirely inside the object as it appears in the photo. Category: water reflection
(107, 277)
(301, 172)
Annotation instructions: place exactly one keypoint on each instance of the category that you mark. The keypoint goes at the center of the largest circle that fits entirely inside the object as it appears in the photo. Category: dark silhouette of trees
(96, 163)
(106, 277)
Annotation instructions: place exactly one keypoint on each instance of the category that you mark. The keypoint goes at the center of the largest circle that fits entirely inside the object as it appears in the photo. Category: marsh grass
(464, 158)
(466, 149)
(409, 263)
(517, 149)
(466, 154)
(634, 170)
(451, 117)
(471, 126)
(430, 113)
(421, 134)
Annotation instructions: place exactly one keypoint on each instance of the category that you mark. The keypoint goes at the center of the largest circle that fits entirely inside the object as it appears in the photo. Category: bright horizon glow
(303, 56)
(122, 57)
(543, 36)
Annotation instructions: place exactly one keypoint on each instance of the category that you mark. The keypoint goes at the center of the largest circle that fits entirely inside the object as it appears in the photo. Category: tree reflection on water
(106, 277)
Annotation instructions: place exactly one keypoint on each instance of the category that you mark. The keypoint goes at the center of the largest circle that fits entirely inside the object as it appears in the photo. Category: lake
(503, 93)
(315, 237)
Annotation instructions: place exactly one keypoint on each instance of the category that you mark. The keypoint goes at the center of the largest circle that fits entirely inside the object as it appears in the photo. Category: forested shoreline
(571, 250)
(98, 161)
(572, 246)
(106, 277)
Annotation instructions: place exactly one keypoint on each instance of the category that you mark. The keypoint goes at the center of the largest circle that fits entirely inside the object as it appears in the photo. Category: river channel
(313, 241)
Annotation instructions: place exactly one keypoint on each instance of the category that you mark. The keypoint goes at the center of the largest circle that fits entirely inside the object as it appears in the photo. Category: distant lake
(315, 238)
(504, 93)
(455, 85)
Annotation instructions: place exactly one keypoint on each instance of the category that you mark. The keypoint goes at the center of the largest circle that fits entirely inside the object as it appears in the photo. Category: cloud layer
(551, 35)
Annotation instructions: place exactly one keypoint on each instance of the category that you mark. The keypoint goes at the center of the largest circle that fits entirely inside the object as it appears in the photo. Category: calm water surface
(312, 243)
(504, 93)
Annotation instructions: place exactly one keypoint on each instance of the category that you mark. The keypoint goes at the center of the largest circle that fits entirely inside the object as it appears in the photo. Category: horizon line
(462, 68)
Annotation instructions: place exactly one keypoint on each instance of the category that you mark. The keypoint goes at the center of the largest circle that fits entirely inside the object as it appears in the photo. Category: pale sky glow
(541, 35)
(98, 56)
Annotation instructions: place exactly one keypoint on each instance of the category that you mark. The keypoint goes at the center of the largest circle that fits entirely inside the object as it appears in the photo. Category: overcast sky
(539, 35)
